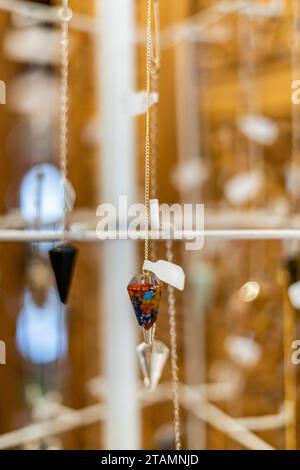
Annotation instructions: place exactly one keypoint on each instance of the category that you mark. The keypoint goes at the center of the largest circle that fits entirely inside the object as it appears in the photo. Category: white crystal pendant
(153, 358)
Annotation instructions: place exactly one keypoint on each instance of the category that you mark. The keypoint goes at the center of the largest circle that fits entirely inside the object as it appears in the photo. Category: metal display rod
(45, 13)
(184, 236)
(171, 36)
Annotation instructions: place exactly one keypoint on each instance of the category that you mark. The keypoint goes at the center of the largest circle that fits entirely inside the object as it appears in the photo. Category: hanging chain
(65, 15)
(174, 357)
(155, 70)
(152, 71)
(148, 129)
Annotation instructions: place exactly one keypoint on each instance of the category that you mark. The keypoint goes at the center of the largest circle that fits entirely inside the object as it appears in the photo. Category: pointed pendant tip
(63, 258)
(152, 360)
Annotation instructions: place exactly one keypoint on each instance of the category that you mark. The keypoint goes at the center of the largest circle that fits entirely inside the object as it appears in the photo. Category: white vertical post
(118, 258)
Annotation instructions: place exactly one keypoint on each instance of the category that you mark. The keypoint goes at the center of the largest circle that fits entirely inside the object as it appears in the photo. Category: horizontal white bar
(180, 31)
(264, 423)
(220, 391)
(41, 12)
(7, 235)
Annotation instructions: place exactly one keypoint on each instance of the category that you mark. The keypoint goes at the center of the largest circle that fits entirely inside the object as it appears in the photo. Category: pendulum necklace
(63, 257)
(155, 71)
(145, 288)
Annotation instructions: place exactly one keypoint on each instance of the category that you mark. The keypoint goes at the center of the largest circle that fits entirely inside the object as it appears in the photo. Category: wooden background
(221, 102)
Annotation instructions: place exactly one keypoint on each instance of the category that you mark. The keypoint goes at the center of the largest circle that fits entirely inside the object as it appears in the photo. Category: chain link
(174, 357)
(65, 14)
(149, 47)
(155, 71)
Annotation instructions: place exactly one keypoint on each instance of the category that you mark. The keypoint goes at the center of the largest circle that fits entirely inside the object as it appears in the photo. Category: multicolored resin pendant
(144, 292)
(63, 259)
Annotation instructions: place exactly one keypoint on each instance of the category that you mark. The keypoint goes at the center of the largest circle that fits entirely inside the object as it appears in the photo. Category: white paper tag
(137, 103)
(167, 272)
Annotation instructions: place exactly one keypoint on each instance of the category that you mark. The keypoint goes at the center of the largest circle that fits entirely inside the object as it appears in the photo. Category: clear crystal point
(144, 352)
(152, 361)
(160, 354)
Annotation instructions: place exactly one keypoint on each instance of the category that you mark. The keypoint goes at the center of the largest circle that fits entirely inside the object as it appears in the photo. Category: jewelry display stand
(115, 57)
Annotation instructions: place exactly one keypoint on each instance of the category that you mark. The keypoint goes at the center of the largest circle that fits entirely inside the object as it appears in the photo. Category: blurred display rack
(190, 399)
(193, 399)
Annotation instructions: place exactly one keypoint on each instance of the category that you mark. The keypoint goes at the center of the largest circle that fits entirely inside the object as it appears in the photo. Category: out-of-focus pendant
(145, 292)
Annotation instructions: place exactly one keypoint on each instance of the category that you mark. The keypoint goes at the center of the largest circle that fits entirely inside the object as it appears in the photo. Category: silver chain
(174, 357)
(65, 15)
(155, 71)
(149, 47)
(152, 71)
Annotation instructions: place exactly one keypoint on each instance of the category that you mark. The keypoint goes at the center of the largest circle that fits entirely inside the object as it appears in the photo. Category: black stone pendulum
(63, 257)
(62, 260)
